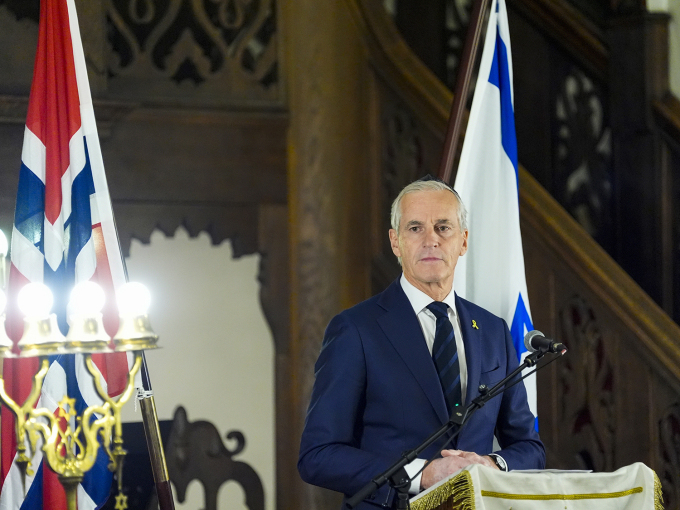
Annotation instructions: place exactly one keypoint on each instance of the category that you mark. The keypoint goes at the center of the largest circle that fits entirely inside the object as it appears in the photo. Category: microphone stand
(396, 475)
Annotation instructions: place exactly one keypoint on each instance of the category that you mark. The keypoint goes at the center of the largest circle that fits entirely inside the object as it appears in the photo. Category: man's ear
(394, 242)
(464, 247)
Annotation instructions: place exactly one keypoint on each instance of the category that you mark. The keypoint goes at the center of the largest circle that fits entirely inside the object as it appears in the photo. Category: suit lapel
(471, 342)
(402, 328)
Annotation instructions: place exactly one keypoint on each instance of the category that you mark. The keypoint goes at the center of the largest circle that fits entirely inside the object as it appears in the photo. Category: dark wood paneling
(635, 60)
(415, 19)
(534, 101)
(193, 156)
(11, 136)
(274, 278)
(565, 26)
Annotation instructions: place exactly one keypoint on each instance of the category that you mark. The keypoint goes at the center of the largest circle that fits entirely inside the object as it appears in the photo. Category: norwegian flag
(64, 233)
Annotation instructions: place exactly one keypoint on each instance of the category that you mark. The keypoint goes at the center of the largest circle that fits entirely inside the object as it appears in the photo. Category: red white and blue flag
(492, 272)
(64, 233)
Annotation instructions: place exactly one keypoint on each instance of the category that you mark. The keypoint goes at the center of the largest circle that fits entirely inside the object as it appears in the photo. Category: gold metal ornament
(86, 334)
(121, 501)
(70, 442)
(41, 337)
(21, 413)
(135, 332)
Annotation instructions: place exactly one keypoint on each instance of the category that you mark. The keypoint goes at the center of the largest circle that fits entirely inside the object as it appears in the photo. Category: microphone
(535, 341)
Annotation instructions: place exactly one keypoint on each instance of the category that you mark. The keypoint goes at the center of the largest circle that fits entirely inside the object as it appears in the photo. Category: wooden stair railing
(615, 398)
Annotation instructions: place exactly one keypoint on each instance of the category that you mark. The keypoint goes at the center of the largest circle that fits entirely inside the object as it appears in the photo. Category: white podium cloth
(476, 487)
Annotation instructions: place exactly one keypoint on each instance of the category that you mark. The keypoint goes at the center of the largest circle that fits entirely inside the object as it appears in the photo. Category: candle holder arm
(20, 413)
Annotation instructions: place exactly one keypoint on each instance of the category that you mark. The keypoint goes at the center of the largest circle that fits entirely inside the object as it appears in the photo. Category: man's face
(429, 240)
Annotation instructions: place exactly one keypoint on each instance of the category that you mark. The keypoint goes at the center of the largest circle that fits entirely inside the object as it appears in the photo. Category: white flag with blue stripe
(492, 273)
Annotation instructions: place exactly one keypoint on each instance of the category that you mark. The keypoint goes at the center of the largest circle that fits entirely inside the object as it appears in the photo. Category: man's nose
(431, 237)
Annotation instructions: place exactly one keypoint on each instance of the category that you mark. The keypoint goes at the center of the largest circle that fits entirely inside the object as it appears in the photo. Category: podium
(476, 487)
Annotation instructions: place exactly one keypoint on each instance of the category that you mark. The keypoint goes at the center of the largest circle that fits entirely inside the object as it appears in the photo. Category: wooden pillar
(326, 80)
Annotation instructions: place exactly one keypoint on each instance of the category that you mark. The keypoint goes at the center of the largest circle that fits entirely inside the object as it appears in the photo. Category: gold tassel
(658, 493)
(458, 492)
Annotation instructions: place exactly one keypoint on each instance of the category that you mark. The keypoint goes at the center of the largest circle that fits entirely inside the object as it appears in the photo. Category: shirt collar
(419, 300)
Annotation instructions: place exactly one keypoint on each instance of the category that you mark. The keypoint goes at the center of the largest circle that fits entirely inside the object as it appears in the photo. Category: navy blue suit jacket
(377, 394)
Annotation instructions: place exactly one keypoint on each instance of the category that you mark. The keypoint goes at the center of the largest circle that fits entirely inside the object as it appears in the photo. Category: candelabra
(69, 441)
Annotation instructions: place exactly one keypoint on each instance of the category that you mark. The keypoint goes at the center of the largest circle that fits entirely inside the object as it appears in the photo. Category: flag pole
(460, 92)
(152, 430)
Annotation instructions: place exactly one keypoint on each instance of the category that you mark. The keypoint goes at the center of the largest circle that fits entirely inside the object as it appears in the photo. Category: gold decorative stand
(70, 442)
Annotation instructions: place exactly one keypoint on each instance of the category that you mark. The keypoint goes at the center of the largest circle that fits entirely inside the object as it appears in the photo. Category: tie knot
(439, 309)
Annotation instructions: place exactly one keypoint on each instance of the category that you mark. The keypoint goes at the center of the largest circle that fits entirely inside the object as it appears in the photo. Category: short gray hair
(431, 185)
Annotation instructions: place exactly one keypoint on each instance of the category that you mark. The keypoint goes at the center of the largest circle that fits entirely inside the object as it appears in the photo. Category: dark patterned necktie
(445, 355)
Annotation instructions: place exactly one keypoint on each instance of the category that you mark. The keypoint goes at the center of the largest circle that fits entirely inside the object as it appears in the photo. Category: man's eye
(443, 228)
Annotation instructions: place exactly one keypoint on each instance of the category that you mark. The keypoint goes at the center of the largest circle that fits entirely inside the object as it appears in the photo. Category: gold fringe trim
(543, 497)
(658, 493)
(458, 491)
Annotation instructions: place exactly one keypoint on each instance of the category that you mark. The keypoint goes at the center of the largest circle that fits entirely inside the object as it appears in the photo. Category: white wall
(673, 8)
(217, 355)
(674, 42)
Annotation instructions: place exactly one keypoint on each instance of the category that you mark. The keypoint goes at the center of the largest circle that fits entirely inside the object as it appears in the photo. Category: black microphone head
(529, 337)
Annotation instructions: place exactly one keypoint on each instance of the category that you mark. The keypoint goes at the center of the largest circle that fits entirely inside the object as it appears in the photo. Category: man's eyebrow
(418, 223)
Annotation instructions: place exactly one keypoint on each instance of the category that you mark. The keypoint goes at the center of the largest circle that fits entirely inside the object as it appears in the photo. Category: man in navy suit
(378, 391)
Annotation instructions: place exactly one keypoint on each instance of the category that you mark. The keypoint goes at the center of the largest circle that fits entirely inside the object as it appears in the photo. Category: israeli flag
(491, 274)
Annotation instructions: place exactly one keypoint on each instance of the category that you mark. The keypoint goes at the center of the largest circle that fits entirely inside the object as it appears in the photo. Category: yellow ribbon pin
(474, 324)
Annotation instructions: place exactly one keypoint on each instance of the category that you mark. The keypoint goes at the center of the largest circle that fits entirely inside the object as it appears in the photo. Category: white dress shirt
(428, 322)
